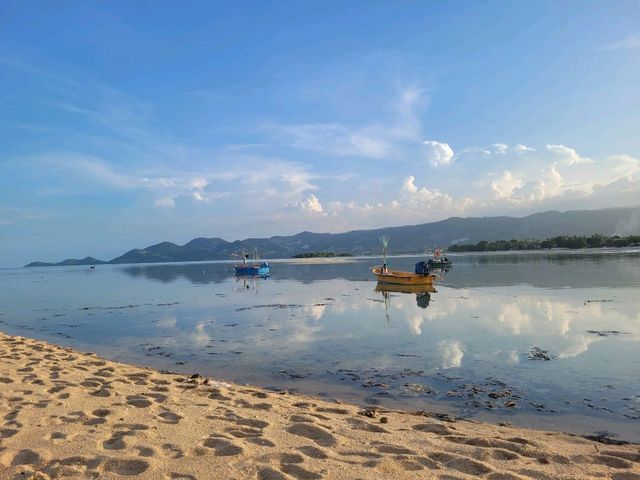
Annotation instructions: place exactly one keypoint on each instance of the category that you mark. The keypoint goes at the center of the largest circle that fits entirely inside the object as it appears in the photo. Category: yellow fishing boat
(398, 277)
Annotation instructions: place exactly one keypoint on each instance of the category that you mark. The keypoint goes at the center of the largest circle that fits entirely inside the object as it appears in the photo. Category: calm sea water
(540, 339)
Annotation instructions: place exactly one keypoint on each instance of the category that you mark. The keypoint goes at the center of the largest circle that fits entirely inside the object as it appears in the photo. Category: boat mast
(385, 244)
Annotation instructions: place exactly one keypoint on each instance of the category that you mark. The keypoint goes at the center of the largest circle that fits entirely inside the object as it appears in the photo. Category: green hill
(405, 239)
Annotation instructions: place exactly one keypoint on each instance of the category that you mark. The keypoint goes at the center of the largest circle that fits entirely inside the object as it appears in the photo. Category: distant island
(322, 255)
(69, 262)
(563, 241)
(452, 233)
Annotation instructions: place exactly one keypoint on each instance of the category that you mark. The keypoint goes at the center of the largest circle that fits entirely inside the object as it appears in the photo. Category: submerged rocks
(537, 353)
(606, 333)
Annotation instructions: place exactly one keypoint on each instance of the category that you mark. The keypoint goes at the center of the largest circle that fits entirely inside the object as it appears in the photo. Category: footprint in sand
(82, 461)
(114, 443)
(222, 447)
(105, 372)
(365, 454)
(244, 432)
(460, 463)
(56, 389)
(251, 422)
(74, 417)
(58, 436)
(7, 432)
(291, 458)
(500, 454)
(313, 452)
(130, 426)
(395, 450)
(172, 450)
(25, 457)
(318, 435)
(103, 392)
(217, 395)
(158, 397)
(609, 461)
(626, 476)
(95, 421)
(125, 466)
(359, 424)
(92, 382)
(262, 442)
(432, 428)
(304, 405)
(170, 417)
(254, 406)
(298, 472)
(138, 378)
(101, 412)
(145, 451)
(300, 419)
(12, 415)
(138, 401)
(631, 456)
(268, 473)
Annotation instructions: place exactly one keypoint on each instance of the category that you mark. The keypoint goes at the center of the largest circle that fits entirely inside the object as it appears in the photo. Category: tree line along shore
(563, 241)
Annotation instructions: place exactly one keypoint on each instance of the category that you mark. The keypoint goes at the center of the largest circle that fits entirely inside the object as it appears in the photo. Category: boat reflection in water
(422, 293)
(248, 282)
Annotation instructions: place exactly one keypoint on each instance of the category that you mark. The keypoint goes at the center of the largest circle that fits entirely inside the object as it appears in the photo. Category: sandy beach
(66, 414)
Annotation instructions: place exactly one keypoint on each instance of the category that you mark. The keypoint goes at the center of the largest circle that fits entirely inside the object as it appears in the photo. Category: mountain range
(404, 239)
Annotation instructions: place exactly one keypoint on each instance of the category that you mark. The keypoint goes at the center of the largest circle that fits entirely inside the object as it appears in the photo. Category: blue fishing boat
(251, 269)
(256, 270)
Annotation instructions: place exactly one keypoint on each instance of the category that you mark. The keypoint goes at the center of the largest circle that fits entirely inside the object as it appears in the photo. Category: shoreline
(67, 413)
(338, 259)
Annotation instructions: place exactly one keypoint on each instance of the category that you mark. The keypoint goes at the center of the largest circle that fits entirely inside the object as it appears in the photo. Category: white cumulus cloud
(522, 148)
(438, 153)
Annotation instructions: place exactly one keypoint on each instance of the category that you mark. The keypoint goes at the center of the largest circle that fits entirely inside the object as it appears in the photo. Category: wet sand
(66, 414)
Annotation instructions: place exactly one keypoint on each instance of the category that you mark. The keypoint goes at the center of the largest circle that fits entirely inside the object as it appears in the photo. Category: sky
(123, 124)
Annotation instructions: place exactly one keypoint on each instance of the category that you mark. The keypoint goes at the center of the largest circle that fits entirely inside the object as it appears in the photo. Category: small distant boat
(247, 269)
(439, 260)
(397, 277)
(439, 263)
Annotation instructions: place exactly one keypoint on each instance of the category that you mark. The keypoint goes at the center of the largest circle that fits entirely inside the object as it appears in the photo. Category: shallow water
(541, 339)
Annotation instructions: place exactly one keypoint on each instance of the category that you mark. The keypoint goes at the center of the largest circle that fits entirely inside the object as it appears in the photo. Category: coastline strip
(66, 414)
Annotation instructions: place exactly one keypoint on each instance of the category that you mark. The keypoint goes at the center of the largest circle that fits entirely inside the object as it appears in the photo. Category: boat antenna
(385, 245)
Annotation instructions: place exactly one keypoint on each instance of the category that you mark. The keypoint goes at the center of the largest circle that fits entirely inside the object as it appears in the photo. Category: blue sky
(127, 123)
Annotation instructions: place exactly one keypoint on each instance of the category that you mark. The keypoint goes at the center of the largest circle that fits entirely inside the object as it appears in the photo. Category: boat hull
(397, 277)
(439, 263)
(251, 271)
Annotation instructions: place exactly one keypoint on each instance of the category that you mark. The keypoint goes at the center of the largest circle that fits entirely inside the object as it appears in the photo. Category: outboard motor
(422, 268)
